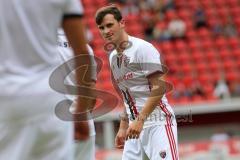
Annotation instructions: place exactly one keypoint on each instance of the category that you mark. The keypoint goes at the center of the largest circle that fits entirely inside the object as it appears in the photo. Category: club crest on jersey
(126, 61)
(162, 154)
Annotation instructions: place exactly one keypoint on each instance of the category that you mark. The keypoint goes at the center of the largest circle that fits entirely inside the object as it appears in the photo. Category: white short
(85, 150)
(45, 138)
(157, 142)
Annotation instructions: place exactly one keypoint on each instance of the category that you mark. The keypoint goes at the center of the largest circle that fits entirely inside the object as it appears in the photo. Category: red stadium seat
(198, 56)
(204, 33)
(181, 3)
(238, 64)
(206, 4)
(236, 53)
(186, 68)
(170, 14)
(222, 12)
(206, 79)
(197, 98)
(220, 3)
(87, 4)
(214, 66)
(189, 23)
(233, 42)
(235, 11)
(225, 54)
(101, 3)
(173, 67)
(98, 43)
(193, 4)
(170, 56)
(167, 46)
(211, 12)
(90, 11)
(208, 88)
(233, 3)
(229, 65)
(91, 22)
(181, 45)
(188, 79)
(184, 57)
(132, 18)
(183, 100)
(202, 67)
(232, 76)
(221, 43)
(135, 29)
(207, 43)
(211, 55)
(184, 14)
(191, 34)
(195, 45)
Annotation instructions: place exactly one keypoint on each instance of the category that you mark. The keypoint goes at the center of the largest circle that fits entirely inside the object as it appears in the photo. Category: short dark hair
(111, 9)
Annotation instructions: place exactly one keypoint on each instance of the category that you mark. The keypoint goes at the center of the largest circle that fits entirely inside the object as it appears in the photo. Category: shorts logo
(162, 154)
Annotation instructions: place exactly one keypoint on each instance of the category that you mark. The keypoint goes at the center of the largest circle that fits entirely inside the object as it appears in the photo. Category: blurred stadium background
(199, 41)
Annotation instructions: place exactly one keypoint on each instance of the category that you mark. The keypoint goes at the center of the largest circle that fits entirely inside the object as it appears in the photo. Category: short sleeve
(73, 7)
(149, 59)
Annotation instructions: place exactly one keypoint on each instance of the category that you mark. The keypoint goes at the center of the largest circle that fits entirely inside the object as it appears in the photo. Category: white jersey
(67, 54)
(28, 55)
(28, 52)
(130, 71)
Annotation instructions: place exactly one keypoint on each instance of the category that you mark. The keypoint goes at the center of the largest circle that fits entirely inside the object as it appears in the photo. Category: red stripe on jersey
(170, 143)
(169, 129)
(168, 132)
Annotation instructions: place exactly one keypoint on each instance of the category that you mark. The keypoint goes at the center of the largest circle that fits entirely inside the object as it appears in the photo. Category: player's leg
(160, 142)
(85, 149)
(132, 150)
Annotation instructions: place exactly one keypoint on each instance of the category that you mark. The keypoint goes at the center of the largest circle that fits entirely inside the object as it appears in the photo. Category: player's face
(110, 29)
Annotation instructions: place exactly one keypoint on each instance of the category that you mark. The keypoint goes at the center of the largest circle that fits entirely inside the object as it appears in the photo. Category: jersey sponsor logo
(127, 76)
(163, 154)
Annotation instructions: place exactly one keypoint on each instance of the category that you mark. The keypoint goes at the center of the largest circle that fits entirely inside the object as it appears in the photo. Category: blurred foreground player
(29, 127)
(137, 70)
(83, 149)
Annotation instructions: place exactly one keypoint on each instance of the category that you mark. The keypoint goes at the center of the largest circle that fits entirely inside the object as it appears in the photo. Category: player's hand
(120, 138)
(134, 129)
(81, 130)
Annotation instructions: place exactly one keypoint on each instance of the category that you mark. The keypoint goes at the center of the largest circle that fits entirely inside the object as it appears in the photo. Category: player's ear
(122, 23)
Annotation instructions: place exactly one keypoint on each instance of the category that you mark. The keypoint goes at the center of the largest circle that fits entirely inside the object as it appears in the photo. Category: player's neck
(124, 38)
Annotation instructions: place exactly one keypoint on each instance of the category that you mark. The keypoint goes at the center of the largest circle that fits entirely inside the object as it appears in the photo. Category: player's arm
(74, 30)
(122, 131)
(124, 122)
(158, 88)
